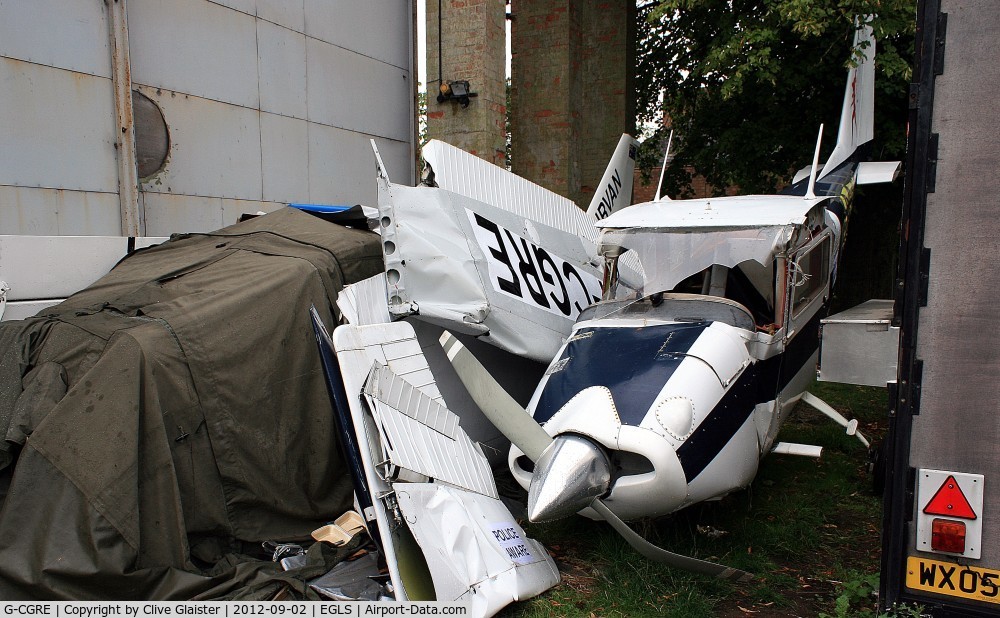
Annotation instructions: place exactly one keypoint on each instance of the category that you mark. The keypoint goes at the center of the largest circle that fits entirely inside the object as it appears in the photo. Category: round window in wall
(152, 139)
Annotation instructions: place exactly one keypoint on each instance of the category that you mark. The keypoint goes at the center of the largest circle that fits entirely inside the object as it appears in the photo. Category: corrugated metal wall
(266, 102)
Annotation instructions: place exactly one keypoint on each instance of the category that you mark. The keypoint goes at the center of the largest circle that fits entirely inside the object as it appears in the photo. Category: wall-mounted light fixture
(458, 91)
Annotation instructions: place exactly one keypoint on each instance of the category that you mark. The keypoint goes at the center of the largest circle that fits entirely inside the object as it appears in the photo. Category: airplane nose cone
(568, 475)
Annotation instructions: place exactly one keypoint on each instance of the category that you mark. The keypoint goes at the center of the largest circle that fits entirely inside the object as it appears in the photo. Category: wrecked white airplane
(677, 337)
(669, 388)
(486, 253)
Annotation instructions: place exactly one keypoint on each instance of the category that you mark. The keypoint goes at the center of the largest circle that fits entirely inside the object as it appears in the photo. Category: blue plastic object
(327, 208)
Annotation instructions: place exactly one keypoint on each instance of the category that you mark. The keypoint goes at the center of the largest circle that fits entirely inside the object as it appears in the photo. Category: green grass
(807, 529)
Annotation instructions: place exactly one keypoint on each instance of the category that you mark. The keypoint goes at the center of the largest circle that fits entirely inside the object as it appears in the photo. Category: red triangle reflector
(950, 502)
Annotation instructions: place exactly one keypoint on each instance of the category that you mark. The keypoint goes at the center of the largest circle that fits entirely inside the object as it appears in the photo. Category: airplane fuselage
(683, 408)
(686, 392)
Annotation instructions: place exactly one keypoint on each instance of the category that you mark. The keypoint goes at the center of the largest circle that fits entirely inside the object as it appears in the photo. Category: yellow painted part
(954, 580)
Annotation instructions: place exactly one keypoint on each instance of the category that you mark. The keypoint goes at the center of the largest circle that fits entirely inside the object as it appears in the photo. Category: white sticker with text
(508, 535)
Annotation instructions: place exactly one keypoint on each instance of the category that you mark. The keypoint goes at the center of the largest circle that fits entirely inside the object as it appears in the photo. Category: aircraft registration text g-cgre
(522, 270)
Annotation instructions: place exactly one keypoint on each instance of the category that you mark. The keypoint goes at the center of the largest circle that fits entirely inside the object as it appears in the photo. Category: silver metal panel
(282, 70)
(376, 339)
(168, 214)
(423, 436)
(244, 6)
(340, 165)
(874, 172)
(405, 365)
(287, 13)
(394, 391)
(460, 172)
(439, 261)
(57, 128)
(339, 171)
(398, 157)
(348, 90)
(21, 309)
(351, 24)
(404, 358)
(737, 211)
(214, 148)
(232, 209)
(958, 338)
(67, 34)
(356, 348)
(40, 267)
(860, 346)
(476, 562)
(27, 210)
(284, 144)
(195, 47)
(875, 311)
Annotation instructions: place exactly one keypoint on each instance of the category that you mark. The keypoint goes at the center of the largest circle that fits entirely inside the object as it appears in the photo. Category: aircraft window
(810, 273)
(677, 307)
(752, 286)
(669, 257)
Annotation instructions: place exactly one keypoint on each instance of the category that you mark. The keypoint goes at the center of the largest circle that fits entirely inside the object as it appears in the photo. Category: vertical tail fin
(857, 115)
(615, 190)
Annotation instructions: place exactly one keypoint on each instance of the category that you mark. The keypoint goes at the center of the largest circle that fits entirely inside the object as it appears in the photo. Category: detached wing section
(445, 533)
(460, 172)
(515, 271)
(422, 438)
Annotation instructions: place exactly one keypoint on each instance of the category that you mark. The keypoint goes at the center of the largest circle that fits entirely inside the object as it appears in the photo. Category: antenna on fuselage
(811, 191)
(663, 169)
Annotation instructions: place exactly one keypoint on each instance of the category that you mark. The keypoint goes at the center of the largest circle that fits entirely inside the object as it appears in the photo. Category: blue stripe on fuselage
(632, 362)
(635, 363)
(759, 383)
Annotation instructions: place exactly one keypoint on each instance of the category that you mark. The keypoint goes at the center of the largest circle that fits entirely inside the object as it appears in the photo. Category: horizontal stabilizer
(802, 450)
(803, 173)
(874, 172)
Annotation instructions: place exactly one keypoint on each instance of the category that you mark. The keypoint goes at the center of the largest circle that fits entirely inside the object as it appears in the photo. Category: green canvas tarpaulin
(173, 415)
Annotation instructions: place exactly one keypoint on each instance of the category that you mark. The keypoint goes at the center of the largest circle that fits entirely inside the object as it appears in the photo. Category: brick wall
(571, 90)
(474, 49)
(645, 192)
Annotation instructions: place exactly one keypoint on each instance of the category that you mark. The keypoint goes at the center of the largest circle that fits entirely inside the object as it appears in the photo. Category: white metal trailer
(941, 538)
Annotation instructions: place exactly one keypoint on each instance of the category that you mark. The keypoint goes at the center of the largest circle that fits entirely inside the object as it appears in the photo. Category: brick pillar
(474, 49)
(572, 96)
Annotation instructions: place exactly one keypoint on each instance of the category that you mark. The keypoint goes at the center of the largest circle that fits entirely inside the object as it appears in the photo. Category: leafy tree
(746, 83)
